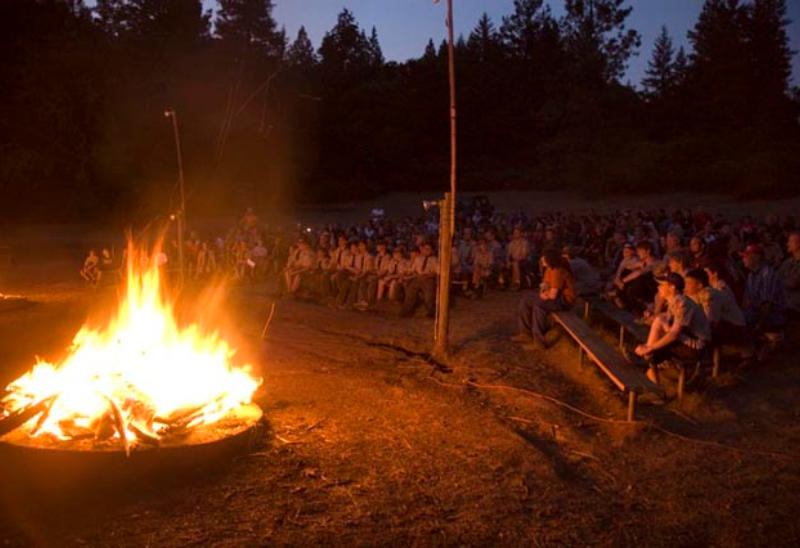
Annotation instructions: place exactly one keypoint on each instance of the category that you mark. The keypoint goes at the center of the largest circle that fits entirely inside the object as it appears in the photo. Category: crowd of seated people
(99, 269)
(721, 279)
(698, 280)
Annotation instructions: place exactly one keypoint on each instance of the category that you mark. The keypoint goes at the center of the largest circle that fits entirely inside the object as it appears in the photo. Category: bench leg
(715, 360)
(631, 405)
(580, 357)
(586, 311)
(621, 337)
(681, 381)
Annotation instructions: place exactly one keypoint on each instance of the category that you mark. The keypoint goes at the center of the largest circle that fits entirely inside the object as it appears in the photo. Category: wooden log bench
(624, 376)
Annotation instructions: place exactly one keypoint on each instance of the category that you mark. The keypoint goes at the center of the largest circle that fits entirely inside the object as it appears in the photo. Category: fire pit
(140, 388)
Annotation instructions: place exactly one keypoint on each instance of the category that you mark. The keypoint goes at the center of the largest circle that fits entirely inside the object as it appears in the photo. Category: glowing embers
(139, 380)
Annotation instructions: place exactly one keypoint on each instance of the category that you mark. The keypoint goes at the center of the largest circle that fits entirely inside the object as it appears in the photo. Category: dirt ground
(367, 442)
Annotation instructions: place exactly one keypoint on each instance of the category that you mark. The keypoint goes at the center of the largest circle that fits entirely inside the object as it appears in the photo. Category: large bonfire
(140, 379)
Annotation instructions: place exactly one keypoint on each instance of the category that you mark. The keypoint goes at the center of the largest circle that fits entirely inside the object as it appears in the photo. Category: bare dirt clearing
(367, 442)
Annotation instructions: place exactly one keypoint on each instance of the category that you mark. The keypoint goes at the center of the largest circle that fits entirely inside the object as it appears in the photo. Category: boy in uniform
(381, 263)
(682, 332)
(517, 257)
(424, 282)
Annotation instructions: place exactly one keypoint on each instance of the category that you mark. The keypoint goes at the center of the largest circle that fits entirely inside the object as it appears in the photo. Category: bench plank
(621, 373)
(623, 318)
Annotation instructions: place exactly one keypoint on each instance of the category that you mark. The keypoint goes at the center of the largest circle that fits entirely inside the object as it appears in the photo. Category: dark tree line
(267, 117)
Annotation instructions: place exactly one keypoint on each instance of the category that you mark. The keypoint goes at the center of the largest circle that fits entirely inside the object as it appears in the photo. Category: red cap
(752, 249)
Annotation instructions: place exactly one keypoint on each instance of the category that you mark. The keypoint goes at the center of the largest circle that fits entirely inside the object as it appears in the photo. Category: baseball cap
(752, 249)
(672, 278)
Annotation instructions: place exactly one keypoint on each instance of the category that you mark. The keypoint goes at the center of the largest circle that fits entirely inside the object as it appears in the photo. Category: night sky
(404, 26)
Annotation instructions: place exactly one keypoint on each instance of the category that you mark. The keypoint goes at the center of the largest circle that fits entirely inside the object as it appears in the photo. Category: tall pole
(448, 209)
(182, 212)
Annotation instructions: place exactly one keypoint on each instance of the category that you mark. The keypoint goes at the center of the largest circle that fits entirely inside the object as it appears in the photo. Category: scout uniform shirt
(382, 264)
(337, 258)
(518, 249)
(426, 266)
(482, 260)
(305, 259)
(688, 317)
(719, 306)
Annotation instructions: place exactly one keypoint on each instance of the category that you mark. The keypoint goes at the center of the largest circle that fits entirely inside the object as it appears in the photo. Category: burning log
(180, 415)
(141, 375)
(140, 412)
(43, 417)
(75, 431)
(144, 435)
(119, 424)
(12, 422)
(104, 426)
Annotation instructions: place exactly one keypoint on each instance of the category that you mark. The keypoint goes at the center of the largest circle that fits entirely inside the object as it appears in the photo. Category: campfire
(142, 380)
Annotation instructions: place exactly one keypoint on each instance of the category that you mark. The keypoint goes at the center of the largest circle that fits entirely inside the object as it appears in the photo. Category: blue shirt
(763, 286)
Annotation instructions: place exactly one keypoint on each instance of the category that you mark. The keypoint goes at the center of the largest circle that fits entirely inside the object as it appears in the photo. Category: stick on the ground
(269, 320)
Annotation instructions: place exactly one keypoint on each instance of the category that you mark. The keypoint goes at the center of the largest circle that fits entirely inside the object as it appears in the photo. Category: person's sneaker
(630, 356)
(534, 345)
(551, 337)
(521, 338)
(652, 398)
(618, 302)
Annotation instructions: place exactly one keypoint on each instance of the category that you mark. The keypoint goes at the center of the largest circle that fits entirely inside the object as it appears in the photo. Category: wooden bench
(612, 363)
(622, 319)
(627, 324)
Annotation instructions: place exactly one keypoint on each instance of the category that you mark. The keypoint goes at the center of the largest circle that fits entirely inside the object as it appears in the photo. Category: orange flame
(141, 370)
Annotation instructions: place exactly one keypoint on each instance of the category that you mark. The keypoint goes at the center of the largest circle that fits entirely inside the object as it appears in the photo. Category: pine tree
(770, 59)
(719, 72)
(430, 51)
(376, 59)
(442, 51)
(483, 42)
(660, 73)
(519, 31)
(244, 24)
(344, 48)
(597, 39)
(301, 52)
(680, 67)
